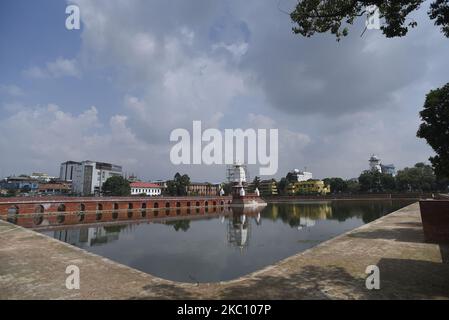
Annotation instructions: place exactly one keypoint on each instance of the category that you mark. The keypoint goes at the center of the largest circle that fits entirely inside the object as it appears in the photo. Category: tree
(178, 186)
(311, 16)
(291, 177)
(116, 186)
(227, 188)
(420, 178)
(387, 182)
(374, 181)
(353, 186)
(435, 128)
(337, 185)
(282, 186)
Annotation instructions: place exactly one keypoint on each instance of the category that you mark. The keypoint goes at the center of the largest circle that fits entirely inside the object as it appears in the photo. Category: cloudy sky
(115, 89)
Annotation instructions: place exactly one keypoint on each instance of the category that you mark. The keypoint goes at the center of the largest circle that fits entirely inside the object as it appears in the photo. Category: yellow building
(308, 187)
(268, 188)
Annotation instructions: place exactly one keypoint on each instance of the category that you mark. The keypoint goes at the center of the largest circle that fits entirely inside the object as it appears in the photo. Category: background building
(309, 187)
(147, 188)
(203, 189)
(388, 169)
(161, 183)
(42, 177)
(298, 175)
(268, 187)
(87, 177)
(23, 183)
(55, 188)
(376, 165)
(67, 170)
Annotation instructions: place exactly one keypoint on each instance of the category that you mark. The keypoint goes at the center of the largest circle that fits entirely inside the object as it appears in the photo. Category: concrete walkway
(32, 266)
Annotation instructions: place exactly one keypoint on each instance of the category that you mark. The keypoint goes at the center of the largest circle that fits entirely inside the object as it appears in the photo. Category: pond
(227, 245)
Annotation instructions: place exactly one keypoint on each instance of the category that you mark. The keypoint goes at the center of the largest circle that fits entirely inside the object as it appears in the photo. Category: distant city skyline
(115, 89)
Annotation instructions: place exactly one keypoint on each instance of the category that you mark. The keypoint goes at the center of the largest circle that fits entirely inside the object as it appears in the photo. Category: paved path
(32, 266)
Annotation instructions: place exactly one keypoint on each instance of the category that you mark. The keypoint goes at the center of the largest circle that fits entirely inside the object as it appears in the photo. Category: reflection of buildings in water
(305, 222)
(300, 215)
(309, 214)
(239, 225)
(89, 236)
(316, 211)
(239, 230)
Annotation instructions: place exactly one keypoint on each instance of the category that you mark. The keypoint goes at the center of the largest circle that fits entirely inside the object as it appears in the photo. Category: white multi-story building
(301, 175)
(66, 170)
(147, 188)
(87, 177)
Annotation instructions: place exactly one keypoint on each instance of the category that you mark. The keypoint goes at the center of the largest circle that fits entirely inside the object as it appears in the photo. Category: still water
(226, 246)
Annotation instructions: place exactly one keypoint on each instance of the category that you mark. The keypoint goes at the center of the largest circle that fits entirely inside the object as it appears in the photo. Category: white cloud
(11, 90)
(237, 62)
(43, 136)
(236, 49)
(56, 69)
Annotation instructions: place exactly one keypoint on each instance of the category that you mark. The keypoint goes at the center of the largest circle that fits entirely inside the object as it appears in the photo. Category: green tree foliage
(435, 128)
(374, 181)
(291, 177)
(353, 186)
(282, 186)
(116, 186)
(335, 16)
(420, 178)
(338, 185)
(178, 186)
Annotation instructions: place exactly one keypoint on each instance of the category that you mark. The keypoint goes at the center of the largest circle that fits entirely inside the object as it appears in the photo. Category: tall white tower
(237, 174)
(374, 163)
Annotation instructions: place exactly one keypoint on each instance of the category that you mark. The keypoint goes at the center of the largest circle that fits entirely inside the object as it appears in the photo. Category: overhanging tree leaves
(435, 128)
(116, 186)
(320, 16)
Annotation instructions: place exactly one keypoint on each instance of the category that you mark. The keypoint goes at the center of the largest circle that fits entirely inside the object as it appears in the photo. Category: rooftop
(139, 184)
